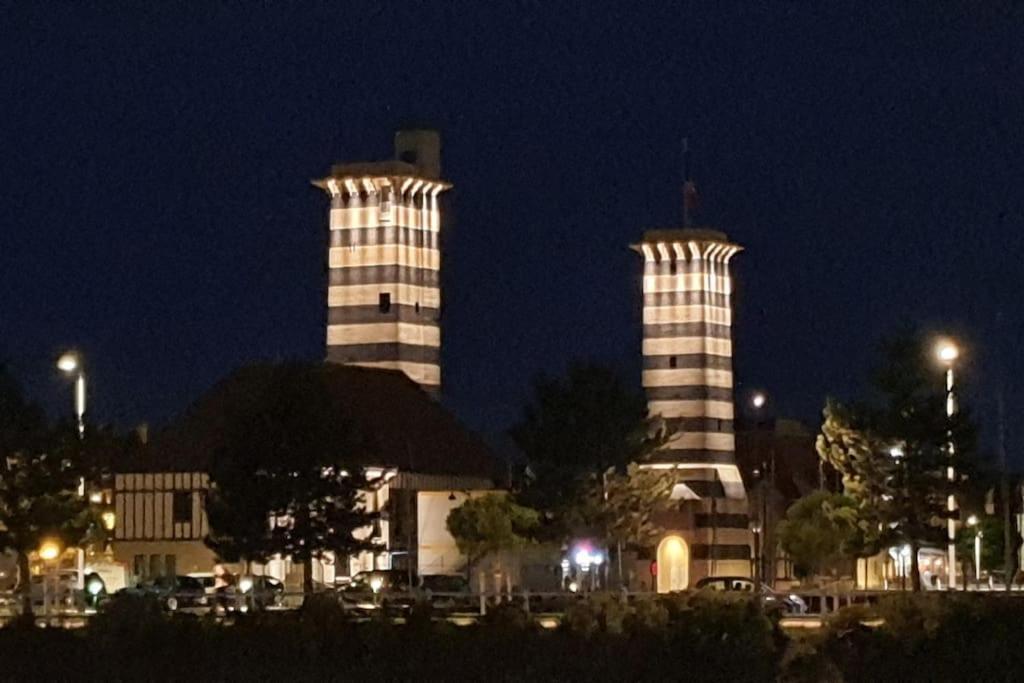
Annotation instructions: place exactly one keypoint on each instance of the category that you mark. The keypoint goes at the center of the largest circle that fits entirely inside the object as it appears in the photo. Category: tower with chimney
(688, 381)
(384, 260)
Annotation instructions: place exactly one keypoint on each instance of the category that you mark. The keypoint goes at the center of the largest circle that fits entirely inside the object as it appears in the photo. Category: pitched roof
(409, 429)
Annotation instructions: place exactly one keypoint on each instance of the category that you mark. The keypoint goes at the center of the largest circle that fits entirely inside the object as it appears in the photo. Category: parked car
(446, 592)
(250, 593)
(173, 592)
(386, 589)
(789, 604)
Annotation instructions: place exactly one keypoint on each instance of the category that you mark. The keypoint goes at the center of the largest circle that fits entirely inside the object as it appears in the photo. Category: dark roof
(409, 430)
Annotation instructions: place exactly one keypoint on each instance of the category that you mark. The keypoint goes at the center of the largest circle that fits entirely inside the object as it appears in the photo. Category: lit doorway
(673, 564)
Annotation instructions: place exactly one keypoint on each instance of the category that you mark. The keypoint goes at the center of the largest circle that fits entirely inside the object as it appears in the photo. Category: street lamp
(765, 563)
(756, 529)
(49, 550)
(972, 521)
(70, 363)
(947, 352)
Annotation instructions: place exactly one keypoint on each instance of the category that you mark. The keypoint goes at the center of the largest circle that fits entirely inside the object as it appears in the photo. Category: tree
(573, 431)
(39, 477)
(893, 452)
(818, 532)
(490, 524)
(287, 478)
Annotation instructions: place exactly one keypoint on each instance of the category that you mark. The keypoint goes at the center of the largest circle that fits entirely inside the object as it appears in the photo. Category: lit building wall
(384, 261)
(688, 380)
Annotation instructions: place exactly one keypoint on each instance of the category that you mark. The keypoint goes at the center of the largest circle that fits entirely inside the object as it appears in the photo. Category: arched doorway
(673, 564)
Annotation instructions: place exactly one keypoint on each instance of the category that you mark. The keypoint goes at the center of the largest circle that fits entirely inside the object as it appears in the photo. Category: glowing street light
(70, 363)
(758, 400)
(49, 550)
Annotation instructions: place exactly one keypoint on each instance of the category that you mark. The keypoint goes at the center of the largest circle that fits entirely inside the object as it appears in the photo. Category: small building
(419, 449)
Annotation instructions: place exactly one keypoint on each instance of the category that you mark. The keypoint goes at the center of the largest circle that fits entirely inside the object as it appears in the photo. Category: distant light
(947, 351)
(597, 558)
(573, 586)
(95, 586)
(96, 497)
(896, 452)
(758, 400)
(972, 520)
(68, 362)
(49, 550)
(109, 520)
(376, 583)
(245, 585)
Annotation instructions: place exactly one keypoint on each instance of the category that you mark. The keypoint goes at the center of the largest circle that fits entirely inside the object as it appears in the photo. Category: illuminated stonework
(384, 261)
(687, 376)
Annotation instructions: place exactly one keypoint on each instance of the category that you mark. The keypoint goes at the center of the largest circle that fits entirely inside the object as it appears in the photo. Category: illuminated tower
(384, 261)
(687, 376)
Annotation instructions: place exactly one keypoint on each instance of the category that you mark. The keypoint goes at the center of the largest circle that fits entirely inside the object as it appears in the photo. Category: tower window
(672, 268)
(671, 361)
(417, 306)
(408, 156)
(384, 302)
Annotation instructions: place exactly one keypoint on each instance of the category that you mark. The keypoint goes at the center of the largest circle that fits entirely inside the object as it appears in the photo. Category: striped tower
(384, 261)
(687, 376)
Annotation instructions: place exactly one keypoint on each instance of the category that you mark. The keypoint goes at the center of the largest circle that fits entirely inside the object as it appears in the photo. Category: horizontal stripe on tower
(722, 520)
(710, 441)
(698, 329)
(674, 346)
(353, 315)
(686, 298)
(388, 234)
(681, 283)
(359, 353)
(701, 425)
(345, 257)
(383, 333)
(369, 295)
(706, 488)
(692, 393)
(687, 377)
(371, 216)
(687, 361)
(656, 315)
(371, 275)
(722, 410)
(682, 267)
(719, 551)
(423, 373)
(693, 456)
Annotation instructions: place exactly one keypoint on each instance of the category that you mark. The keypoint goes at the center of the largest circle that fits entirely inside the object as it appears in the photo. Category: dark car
(789, 604)
(446, 592)
(387, 589)
(250, 593)
(172, 592)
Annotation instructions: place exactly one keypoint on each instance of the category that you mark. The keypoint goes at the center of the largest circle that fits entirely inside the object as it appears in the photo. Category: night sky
(157, 211)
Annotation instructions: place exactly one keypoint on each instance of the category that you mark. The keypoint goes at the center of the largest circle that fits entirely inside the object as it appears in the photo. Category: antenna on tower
(690, 198)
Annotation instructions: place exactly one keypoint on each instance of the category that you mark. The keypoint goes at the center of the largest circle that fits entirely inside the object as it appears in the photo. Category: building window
(384, 303)
(672, 268)
(417, 306)
(671, 361)
(139, 566)
(182, 506)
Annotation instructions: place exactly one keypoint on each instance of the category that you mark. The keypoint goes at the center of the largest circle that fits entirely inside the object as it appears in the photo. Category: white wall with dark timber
(160, 506)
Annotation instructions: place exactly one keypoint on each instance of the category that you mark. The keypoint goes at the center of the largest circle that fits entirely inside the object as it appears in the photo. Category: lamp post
(972, 521)
(766, 477)
(947, 353)
(756, 528)
(70, 363)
